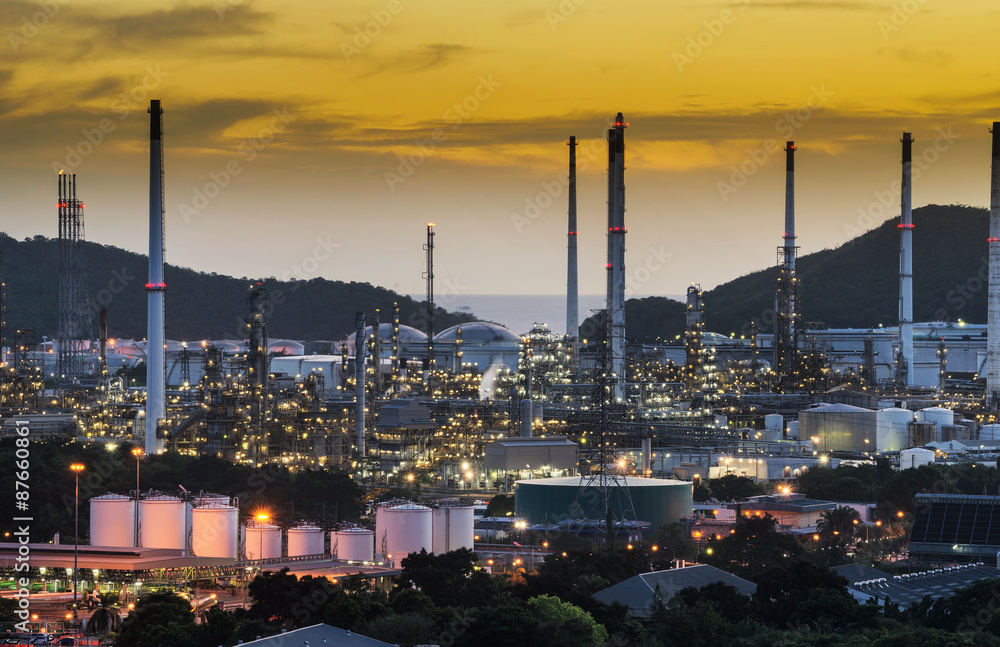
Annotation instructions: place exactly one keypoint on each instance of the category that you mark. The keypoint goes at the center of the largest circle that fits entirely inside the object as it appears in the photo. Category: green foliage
(442, 578)
(673, 541)
(501, 505)
(161, 619)
(831, 277)
(203, 306)
(837, 527)
(563, 623)
(7, 607)
(734, 488)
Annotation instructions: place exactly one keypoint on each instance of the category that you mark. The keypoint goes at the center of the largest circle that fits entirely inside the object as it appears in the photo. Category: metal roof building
(638, 592)
(318, 635)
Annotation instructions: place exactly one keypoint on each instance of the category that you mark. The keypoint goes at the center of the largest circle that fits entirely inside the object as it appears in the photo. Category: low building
(639, 593)
(866, 583)
(318, 635)
(792, 511)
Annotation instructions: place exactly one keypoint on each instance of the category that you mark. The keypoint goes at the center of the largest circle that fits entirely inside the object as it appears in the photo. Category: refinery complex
(592, 433)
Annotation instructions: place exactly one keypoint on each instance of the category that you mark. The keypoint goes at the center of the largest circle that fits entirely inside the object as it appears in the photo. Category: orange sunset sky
(286, 123)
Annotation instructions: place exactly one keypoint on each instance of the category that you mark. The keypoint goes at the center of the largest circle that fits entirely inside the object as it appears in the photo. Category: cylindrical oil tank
(112, 521)
(353, 544)
(915, 458)
(922, 433)
(774, 421)
(452, 527)
(215, 531)
(989, 432)
(163, 522)
(210, 498)
(305, 540)
(407, 530)
(261, 541)
(954, 432)
(793, 430)
(938, 415)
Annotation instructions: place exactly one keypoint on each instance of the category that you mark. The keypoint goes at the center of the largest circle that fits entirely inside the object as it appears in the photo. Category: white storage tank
(210, 498)
(793, 429)
(306, 539)
(353, 545)
(938, 415)
(892, 429)
(407, 530)
(774, 422)
(915, 457)
(261, 541)
(989, 432)
(112, 521)
(163, 522)
(452, 527)
(215, 531)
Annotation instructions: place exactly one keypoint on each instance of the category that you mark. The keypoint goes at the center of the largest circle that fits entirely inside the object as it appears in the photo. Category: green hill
(199, 305)
(855, 285)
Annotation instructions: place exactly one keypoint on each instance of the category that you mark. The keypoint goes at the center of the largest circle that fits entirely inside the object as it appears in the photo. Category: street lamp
(76, 468)
(137, 452)
(261, 518)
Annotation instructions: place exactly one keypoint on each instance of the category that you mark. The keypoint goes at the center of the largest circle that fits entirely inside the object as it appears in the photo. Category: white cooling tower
(353, 544)
(305, 540)
(112, 521)
(215, 531)
(163, 522)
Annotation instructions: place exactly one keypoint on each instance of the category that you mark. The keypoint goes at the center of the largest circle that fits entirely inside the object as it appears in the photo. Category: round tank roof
(479, 332)
(406, 333)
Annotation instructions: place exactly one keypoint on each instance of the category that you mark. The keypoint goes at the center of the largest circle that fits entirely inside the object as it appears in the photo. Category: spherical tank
(305, 540)
(262, 541)
(408, 530)
(163, 522)
(214, 531)
(354, 544)
(112, 521)
(453, 528)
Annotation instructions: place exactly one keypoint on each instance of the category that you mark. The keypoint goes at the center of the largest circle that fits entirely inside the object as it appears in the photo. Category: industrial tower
(904, 357)
(616, 254)
(693, 338)
(75, 326)
(156, 369)
(429, 277)
(572, 281)
(786, 329)
(258, 370)
(993, 294)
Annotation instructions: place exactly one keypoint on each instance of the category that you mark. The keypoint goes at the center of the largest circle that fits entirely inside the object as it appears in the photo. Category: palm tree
(836, 527)
(104, 620)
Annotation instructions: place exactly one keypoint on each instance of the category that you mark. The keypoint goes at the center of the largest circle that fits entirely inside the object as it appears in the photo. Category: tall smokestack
(993, 297)
(572, 283)
(904, 359)
(616, 253)
(360, 344)
(785, 328)
(155, 286)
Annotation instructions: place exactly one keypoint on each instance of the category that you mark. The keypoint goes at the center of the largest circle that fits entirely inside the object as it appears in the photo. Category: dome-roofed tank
(478, 333)
(112, 521)
(285, 347)
(407, 335)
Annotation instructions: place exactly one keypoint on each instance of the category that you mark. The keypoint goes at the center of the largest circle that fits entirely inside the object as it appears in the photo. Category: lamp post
(261, 518)
(137, 452)
(76, 468)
